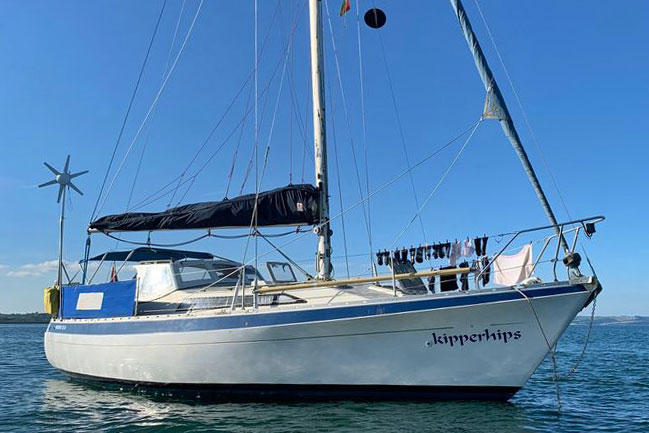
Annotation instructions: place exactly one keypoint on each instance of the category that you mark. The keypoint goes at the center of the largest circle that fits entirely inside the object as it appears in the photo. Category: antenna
(64, 180)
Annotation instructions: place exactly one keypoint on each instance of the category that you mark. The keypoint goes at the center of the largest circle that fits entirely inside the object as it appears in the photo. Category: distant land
(24, 318)
(612, 320)
(579, 320)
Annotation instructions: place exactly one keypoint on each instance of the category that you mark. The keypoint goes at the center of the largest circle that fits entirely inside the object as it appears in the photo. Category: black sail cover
(293, 205)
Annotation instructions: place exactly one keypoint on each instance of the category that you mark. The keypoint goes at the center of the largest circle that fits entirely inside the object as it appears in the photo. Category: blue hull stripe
(188, 324)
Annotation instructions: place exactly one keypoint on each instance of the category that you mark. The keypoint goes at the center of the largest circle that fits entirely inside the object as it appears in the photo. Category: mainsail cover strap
(293, 205)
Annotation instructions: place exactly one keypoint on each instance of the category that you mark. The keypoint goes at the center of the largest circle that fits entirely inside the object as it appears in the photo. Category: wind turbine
(64, 180)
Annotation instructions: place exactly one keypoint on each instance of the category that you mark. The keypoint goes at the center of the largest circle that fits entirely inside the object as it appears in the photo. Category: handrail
(361, 280)
(560, 226)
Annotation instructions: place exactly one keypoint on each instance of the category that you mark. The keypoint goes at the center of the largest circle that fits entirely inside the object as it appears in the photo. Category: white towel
(511, 270)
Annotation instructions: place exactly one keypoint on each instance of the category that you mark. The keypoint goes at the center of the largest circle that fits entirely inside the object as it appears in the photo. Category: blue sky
(578, 67)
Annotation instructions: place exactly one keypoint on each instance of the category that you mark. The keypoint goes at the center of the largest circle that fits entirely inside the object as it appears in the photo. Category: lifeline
(461, 339)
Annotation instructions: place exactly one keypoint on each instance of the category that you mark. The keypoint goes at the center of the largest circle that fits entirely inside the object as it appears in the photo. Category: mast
(495, 108)
(59, 276)
(323, 261)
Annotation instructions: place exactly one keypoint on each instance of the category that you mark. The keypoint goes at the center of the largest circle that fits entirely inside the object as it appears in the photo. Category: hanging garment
(477, 242)
(511, 270)
(456, 252)
(484, 245)
(419, 257)
(464, 278)
(379, 258)
(448, 283)
(487, 271)
(404, 255)
(467, 248)
(431, 284)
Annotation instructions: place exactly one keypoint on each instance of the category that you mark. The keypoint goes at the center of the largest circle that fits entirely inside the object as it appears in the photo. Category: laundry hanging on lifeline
(451, 250)
(510, 270)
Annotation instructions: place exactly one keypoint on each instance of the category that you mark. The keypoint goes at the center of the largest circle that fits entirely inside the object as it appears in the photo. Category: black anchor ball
(375, 18)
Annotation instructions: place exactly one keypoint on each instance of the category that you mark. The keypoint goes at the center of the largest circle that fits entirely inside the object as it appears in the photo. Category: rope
(552, 177)
(148, 136)
(575, 366)
(158, 245)
(259, 176)
(340, 185)
(551, 349)
(128, 111)
(154, 103)
(306, 127)
(160, 193)
(380, 189)
(236, 150)
(349, 129)
(213, 131)
(208, 235)
(363, 122)
(439, 183)
(401, 135)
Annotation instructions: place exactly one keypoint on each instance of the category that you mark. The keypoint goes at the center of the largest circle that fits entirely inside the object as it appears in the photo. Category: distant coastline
(19, 318)
(612, 320)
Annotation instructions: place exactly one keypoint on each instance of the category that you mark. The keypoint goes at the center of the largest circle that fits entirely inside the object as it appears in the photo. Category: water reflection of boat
(84, 404)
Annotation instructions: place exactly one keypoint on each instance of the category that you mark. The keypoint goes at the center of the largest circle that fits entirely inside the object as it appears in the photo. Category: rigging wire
(340, 185)
(554, 183)
(260, 175)
(400, 128)
(254, 214)
(236, 150)
(301, 234)
(128, 111)
(523, 112)
(155, 101)
(221, 119)
(306, 126)
(161, 192)
(148, 137)
(287, 49)
(378, 190)
(363, 121)
(439, 183)
(349, 128)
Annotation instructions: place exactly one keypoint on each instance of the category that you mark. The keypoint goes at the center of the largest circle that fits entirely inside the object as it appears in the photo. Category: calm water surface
(609, 393)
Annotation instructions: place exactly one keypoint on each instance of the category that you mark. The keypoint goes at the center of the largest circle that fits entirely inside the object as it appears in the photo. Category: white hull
(437, 342)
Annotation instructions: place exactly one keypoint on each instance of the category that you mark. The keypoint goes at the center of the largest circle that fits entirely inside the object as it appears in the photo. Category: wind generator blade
(58, 200)
(51, 182)
(67, 164)
(72, 176)
(71, 185)
(52, 169)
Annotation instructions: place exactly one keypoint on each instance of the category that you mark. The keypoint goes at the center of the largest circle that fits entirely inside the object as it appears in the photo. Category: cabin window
(191, 275)
(154, 281)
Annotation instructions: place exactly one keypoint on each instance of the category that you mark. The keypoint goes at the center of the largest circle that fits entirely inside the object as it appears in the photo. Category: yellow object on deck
(51, 300)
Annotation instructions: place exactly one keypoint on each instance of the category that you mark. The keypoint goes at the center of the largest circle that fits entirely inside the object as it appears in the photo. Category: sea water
(608, 393)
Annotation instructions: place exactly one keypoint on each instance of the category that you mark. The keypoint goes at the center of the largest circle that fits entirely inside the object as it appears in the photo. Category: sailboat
(197, 322)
